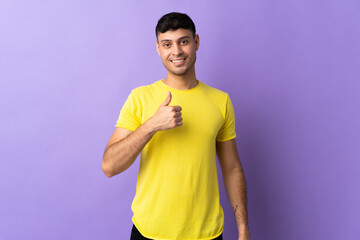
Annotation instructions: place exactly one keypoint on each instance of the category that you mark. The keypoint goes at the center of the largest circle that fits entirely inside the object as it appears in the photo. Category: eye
(166, 45)
(183, 42)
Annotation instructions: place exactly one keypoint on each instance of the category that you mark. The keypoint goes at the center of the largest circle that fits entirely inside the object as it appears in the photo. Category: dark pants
(136, 235)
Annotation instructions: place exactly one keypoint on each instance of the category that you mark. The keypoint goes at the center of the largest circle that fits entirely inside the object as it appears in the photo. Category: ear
(157, 47)
(197, 41)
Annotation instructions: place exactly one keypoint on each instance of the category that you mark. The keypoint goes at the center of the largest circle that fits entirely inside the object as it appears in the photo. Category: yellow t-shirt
(177, 193)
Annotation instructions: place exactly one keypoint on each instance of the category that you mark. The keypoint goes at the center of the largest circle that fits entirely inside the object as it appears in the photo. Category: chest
(202, 117)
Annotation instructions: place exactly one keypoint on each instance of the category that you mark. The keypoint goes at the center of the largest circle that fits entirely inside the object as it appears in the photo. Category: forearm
(120, 155)
(235, 185)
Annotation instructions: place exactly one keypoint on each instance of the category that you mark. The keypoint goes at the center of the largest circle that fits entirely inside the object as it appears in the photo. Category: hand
(166, 117)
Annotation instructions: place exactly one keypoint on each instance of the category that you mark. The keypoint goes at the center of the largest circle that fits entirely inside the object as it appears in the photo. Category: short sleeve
(130, 114)
(227, 131)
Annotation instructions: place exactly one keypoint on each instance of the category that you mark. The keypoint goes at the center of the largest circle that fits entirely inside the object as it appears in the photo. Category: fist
(167, 117)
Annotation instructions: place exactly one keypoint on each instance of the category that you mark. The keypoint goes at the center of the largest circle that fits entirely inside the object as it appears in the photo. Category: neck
(183, 82)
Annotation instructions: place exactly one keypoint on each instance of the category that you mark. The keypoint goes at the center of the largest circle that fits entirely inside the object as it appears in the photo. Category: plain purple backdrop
(292, 69)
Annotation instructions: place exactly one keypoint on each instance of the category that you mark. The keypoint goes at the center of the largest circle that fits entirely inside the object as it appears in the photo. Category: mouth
(178, 60)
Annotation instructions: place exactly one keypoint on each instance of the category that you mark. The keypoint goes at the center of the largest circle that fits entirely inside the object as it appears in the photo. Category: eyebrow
(169, 40)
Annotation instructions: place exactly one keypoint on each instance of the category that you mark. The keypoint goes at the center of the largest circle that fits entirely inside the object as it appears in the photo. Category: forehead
(173, 35)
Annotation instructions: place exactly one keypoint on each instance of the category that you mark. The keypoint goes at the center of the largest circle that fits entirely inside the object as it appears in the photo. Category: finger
(178, 114)
(179, 119)
(167, 100)
(177, 108)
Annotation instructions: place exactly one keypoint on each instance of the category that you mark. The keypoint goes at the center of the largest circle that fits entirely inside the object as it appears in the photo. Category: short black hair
(173, 21)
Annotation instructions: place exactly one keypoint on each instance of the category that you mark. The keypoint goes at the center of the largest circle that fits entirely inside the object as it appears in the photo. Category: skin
(125, 145)
(178, 44)
(235, 184)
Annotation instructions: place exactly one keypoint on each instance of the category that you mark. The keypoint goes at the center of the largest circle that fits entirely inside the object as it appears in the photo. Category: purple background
(292, 69)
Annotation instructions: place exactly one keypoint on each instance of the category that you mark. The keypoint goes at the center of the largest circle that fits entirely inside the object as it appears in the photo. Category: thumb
(167, 100)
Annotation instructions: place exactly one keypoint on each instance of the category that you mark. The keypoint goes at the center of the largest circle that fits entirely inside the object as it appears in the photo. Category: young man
(179, 124)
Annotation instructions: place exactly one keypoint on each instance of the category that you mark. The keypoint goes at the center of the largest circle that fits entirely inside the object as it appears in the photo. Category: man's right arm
(123, 148)
(125, 145)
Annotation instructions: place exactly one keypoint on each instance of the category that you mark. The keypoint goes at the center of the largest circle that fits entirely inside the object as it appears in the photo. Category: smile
(178, 60)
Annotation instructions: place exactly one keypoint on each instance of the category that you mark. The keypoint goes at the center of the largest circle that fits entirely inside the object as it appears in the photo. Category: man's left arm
(235, 183)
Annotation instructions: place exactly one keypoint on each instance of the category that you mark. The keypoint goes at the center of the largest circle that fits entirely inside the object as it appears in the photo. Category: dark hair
(173, 21)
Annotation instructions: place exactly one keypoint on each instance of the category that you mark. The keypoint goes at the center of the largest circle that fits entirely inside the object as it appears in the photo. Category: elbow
(110, 170)
(108, 174)
(107, 170)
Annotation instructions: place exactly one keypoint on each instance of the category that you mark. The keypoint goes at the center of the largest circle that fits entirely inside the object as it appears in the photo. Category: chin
(182, 73)
(177, 72)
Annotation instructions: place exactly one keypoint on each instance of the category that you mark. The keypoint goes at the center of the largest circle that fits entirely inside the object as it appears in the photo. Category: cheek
(191, 51)
(164, 59)
(163, 55)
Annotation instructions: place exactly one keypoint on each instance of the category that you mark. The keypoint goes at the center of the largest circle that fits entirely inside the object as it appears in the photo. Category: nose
(177, 50)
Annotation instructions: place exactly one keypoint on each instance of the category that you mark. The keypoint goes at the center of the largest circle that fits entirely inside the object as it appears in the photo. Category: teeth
(178, 60)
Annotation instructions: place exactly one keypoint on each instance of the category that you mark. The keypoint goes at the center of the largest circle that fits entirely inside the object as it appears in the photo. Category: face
(177, 50)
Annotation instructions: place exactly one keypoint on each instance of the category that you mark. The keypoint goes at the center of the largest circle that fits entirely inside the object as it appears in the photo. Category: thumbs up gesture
(166, 117)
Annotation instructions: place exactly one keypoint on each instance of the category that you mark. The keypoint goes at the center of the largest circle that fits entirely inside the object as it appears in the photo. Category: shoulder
(215, 92)
(144, 89)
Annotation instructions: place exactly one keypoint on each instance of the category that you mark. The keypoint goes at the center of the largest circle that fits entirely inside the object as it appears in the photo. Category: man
(179, 124)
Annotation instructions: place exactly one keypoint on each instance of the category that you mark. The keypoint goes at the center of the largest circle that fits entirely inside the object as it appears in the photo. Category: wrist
(149, 126)
(244, 232)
